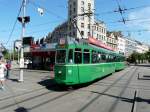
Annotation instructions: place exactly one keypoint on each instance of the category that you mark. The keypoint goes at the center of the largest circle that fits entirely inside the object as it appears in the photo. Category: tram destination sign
(62, 41)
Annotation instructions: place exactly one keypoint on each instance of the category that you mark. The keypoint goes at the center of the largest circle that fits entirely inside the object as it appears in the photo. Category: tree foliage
(8, 55)
(139, 57)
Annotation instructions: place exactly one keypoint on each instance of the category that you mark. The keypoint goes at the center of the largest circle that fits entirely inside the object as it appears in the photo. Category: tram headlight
(59, 72)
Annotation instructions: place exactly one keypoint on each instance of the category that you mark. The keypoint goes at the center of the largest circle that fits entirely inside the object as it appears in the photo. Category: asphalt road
(123, 91)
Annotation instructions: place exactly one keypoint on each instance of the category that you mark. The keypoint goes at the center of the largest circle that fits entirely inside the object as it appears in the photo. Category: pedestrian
(2, 73)
(8, 66)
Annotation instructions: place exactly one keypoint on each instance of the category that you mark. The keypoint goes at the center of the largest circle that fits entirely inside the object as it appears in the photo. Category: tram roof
(72, 43)
(93, 47)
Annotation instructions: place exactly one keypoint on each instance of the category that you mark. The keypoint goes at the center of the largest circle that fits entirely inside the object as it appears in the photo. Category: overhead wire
(48, 11)
(13, 28)
(35, 5)
(45, 23)
(130, 20)
(37, 31)
(124, 9)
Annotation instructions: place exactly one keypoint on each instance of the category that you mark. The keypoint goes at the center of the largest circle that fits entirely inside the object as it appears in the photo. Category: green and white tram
(79, 63)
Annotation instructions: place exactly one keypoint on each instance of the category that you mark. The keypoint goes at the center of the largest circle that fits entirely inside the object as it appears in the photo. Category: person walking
(8, 66)
(2, 73)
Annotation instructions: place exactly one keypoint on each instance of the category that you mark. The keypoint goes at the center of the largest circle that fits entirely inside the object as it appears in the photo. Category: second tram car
(79, 63)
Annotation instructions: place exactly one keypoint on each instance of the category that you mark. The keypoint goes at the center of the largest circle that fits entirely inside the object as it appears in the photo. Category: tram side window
(107, 58)
(103, 58)
(123, 58)
(86, 56)
(111, 58)
(94, 57)
(115, 59)
(70, 56)
(99, 57)
(118, 59)
(78, 56)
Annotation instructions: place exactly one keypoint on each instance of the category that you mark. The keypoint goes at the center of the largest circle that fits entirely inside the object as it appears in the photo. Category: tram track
(112, 108)
(18, 95)
(50, 100)
(25, 93)
(122, 85)
(107, 89)
(34, 97)
(56, 97)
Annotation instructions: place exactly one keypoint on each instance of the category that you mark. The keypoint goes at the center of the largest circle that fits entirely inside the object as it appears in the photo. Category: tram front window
(70, 56)
(61, 56)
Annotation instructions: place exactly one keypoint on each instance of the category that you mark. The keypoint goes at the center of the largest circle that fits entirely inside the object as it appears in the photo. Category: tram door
(77, 62)
(72, 71)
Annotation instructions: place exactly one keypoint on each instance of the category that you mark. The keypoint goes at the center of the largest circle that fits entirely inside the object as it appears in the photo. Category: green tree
(6, 54)
(148, 55)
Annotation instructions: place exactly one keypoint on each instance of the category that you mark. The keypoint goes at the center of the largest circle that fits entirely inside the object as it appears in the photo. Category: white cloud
(144, 15)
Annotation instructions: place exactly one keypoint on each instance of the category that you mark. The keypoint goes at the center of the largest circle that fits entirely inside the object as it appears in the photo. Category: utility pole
(22, 35)
(18, 55)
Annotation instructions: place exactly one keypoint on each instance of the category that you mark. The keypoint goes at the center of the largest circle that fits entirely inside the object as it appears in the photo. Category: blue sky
(56, 13)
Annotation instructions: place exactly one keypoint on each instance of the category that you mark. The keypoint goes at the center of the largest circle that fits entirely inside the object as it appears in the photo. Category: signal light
(24, 19)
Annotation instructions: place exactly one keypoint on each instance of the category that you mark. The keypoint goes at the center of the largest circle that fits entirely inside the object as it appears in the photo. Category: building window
(88, 26)
(70, 12)
(89, 4)
(74, 34)
(82, 2)
(82, 18)
(104, 38)
(82, 10)
(70, 6)
(74, 9)
(82, 33)
(82, 25)
(70, 28)
(88, 33)
(74, 3)
(104, 30)
(97, 29)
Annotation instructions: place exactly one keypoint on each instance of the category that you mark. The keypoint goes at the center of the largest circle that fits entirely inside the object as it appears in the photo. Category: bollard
(138, 76)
